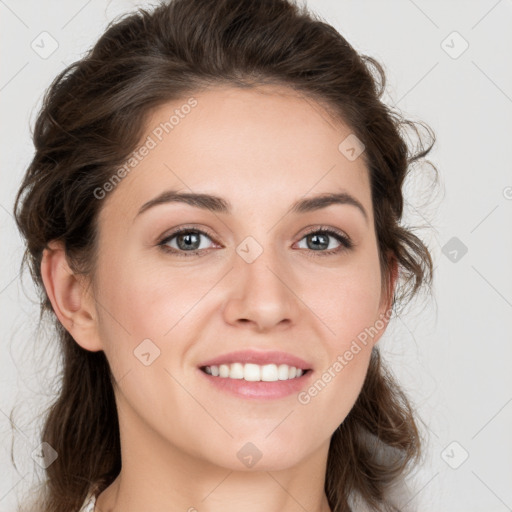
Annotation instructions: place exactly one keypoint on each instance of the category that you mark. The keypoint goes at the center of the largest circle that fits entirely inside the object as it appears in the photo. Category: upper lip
(258, 357)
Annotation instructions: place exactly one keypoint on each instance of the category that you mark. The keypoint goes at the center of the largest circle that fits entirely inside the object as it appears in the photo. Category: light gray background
(453, 352)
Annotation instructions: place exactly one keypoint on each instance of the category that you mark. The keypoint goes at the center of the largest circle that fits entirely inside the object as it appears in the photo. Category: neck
(158, 475)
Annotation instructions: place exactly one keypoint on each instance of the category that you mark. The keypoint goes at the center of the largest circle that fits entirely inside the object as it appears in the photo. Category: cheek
(141, 303)
(351, 318)
(334, 391)
(347, 301)
(147, 301)
(348, 305)
(142, 319)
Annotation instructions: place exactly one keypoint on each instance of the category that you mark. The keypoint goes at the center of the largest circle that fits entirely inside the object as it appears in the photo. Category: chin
(261, 455)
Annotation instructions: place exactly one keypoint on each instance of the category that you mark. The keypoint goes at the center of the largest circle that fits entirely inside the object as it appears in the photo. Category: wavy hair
(92, 117)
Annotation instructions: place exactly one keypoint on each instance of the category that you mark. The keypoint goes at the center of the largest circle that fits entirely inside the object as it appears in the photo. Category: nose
(262, 293)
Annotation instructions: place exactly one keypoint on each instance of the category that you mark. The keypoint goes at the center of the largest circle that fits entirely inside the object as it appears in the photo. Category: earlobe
(71, 302)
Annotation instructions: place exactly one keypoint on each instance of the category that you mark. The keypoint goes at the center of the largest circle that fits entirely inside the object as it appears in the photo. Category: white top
(89, 503)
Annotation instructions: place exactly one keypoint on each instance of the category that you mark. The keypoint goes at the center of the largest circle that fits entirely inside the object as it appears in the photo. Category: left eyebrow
(324, 200)
(218, 204)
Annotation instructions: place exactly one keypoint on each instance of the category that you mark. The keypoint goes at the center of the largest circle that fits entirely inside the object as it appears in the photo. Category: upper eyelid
(185, 229)
(204, 231)
(337, 231)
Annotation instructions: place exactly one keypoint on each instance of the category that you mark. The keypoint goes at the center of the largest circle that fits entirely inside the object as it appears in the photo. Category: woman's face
(251, 275)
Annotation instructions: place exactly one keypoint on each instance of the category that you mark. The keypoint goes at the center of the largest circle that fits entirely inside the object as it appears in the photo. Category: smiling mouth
(254, 372)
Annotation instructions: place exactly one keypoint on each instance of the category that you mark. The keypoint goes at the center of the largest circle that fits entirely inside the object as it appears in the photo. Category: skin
(261, 149)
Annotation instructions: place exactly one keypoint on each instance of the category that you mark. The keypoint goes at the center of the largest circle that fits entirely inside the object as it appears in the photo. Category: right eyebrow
(205, 201)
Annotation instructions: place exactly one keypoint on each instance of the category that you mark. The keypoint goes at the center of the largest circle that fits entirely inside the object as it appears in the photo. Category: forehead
(260, 145)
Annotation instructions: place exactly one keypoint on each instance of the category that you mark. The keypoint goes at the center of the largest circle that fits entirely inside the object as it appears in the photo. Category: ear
(386, 303)
(71, 300)
(387, 299)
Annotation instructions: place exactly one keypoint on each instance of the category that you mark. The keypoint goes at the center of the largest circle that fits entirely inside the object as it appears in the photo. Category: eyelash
(346, 242)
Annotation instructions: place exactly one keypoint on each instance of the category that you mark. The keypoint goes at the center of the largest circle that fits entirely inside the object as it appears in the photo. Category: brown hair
(92, 118)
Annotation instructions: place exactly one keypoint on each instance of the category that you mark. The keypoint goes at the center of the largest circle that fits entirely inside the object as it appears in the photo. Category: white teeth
(236, 371)
(269, 373)
(282, 372)
(223, 370)
(254, 372)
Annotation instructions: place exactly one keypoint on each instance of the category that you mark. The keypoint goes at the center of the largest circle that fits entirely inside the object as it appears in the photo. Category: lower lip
(259, 390)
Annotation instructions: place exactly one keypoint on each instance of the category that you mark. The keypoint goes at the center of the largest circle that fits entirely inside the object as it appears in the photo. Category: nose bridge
(262, 267)
(262, 292)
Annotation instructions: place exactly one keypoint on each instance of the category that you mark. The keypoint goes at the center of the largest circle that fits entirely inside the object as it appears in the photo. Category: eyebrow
(218, 204)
